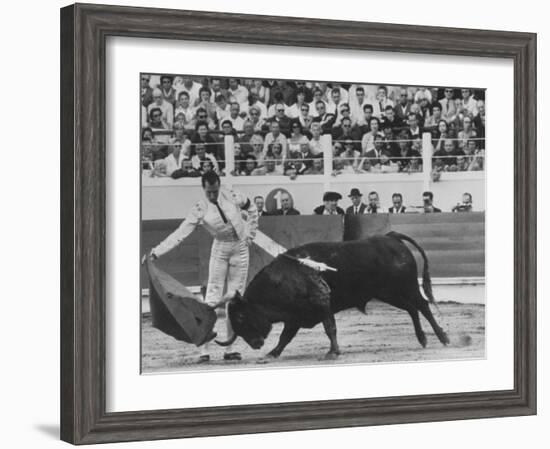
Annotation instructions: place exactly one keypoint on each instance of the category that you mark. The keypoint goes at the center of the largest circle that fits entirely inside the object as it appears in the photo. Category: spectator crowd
(278, 127)
(358, 206)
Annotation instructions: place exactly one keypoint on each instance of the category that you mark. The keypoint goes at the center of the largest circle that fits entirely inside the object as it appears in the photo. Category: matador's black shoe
(232, 356)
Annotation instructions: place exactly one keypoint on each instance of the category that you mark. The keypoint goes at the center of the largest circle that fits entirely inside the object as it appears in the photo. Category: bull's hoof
(331, 355)
(445, 339)
(423, 340)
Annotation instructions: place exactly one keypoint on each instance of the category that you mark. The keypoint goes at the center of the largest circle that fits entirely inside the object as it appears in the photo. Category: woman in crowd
(297, 139)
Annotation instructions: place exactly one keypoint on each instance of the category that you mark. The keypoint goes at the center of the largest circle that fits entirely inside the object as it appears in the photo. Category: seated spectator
(317, 96)
(234, 116)
(237, 94)
(367, 142)
(168, 92)
(469, 104)
(305, 119)
(185, 110)
(285, 90)
(389, 140)
(223, 109)
(466, 205)
(373, 205)
(441, 133)
(170, 163)
(270, 167)
(294, 111)
(186, 170)
(248, 133)
(404, 155)
(227, 129)
(263, 91)
(429, 207)
(339, 167)
(344, 112)
(350, 156)
(363, 125)
(325, 119)
(250, 164)
(479, 119)
(254, 102)
(292, 168)
(281, 119)
(415, 130)
(391, 120)
(467, 132)
(403, 105)
(397, 208)
(166, 109)
(206, 166)
(156, 120)
(275, 136)
(357, 206)
(346, 132)
(254, 117)
(205, 102)
(186, 84)
(336, 101)
(201, 116)
(315, 145)
(200, 155)
(376, 151)
(365, 166)
(357, 103)
(435, 117)
(202, 136)
(448, 155)
(385, 164)
(146, 91)
(330, 205)
(317, 167)
(260, 203)
(287, 207)
(297, 139)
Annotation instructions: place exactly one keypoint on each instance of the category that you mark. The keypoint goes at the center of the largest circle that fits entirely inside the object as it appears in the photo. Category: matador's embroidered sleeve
(187, 226)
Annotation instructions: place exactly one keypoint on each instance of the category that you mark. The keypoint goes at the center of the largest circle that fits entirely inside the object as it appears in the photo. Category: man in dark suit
(330, 206)
(428, 198)
(325, 119)
(259, 202)
(397, 208)
(357, 207)
(286, 206)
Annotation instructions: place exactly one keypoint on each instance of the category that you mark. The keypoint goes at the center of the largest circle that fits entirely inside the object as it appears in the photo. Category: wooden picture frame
(84, 29)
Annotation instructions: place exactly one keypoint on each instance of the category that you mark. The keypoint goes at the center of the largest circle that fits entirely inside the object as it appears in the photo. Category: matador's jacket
(233, 222)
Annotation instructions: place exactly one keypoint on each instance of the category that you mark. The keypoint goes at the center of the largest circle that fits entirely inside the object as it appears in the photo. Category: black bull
(380, 267)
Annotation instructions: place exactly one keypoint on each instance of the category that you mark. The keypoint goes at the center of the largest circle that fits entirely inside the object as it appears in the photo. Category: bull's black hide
(380, 267)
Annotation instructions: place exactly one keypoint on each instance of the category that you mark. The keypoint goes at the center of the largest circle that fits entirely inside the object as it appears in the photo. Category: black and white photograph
(303, 223)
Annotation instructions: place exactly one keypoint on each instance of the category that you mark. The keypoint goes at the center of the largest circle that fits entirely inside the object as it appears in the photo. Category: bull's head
(248, 321)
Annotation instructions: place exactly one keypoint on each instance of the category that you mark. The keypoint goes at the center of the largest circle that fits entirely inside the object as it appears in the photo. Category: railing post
(229, 154)
(427, 150)
(326, 144)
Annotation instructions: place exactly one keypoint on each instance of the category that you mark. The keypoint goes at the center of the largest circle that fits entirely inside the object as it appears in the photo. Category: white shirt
(207, 214)
(167, 111)
(193, 91)
(172, 164)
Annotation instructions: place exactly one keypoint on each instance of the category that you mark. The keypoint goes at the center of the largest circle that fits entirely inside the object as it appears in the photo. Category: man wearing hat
(357, 207)
(330, 206)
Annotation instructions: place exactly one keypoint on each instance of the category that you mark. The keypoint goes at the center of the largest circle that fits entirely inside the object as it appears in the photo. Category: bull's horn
(229, 341)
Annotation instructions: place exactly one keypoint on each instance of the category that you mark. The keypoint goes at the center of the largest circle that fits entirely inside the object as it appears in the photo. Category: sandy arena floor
(385, 334)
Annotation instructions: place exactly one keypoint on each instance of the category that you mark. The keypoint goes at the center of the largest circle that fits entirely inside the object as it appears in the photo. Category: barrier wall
(454, 243)
(165, 198)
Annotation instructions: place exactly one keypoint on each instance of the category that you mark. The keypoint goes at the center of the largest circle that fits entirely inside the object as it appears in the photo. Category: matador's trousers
(228, 266)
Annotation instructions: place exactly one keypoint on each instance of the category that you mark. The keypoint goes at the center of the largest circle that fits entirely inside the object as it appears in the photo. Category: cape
(176, 311)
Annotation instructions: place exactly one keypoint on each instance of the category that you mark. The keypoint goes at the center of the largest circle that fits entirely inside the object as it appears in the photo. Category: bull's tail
(426, 280)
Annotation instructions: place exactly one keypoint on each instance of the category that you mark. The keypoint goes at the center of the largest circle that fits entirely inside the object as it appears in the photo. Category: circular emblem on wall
(273, 199)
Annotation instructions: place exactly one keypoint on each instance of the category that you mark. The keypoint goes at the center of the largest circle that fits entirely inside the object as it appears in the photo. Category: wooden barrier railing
(454, 242)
